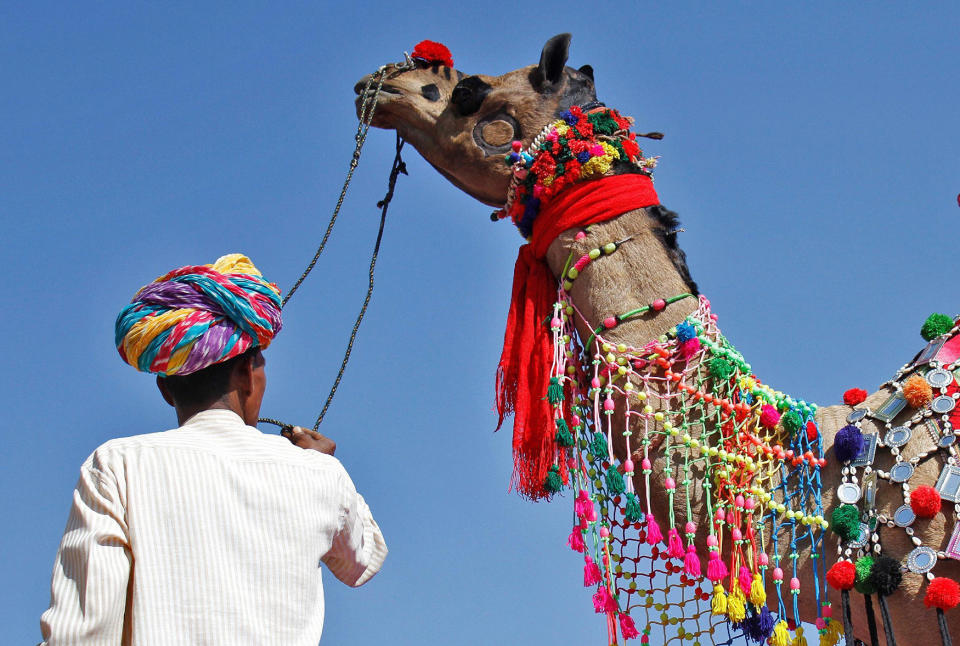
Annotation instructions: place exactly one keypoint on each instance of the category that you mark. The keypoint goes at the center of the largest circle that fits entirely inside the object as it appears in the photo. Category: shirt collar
(215, 417)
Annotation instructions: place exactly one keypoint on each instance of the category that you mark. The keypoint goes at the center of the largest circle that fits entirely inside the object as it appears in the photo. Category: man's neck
(186, 412)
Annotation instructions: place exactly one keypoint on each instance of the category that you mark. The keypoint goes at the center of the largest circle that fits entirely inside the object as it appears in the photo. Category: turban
(199, 315)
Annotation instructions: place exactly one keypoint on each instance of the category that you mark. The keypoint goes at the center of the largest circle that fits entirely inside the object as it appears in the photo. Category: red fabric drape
(524, 371)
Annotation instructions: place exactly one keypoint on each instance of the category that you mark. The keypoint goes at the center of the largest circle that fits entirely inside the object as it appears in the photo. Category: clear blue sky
(811, 150)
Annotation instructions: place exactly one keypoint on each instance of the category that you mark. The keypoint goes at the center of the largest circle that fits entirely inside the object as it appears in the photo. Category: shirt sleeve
(358, 548)
(88, 591)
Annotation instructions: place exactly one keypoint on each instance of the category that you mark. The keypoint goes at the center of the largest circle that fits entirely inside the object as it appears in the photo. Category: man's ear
(243, 374)
(162, 387)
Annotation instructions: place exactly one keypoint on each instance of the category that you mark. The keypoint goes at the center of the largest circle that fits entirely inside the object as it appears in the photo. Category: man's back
(221, 531)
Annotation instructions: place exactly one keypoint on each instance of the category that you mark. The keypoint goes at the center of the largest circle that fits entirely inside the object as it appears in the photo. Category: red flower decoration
(431, 52)
(854, 396)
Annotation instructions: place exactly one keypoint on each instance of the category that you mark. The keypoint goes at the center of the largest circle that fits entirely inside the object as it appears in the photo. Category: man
(211, 533)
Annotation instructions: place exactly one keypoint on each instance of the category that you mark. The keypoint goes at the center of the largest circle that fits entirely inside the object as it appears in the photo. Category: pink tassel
(582, 505)
(745, 579)
(691, 562)
(674, 545)
(603, 602)
(654, 534)
(716, 569)
(627, 626)
(575, 541)
(591, 572)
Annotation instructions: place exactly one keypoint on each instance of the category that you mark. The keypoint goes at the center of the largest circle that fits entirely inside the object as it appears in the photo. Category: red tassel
(654, 535)
(691, 562)
(716, 569)
(591, 572)
(523, 375)
(575, 540)
(627, 626)
(674, 545)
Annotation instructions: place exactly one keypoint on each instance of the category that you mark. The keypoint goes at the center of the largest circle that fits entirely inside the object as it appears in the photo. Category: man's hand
(307, 439)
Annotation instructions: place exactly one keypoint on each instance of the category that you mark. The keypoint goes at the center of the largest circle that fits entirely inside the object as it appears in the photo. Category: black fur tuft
(885, 575)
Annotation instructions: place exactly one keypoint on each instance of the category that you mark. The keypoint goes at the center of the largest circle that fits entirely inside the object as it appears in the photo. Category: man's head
(236, 384)
(200, 329)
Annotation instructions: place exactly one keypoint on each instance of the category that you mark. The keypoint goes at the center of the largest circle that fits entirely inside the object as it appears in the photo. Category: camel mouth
(386, 88)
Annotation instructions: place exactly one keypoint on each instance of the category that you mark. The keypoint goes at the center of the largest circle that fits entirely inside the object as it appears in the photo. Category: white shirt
(212, 533)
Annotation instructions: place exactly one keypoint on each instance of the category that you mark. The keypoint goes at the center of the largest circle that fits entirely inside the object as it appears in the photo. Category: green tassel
(633, 512)
(555, 391)
(935, 325)
(599, 445)
(845, 522)
(720, 368)
(863, 567)
(792, 421)
(553, 482)
(563, 436)
(615, 483)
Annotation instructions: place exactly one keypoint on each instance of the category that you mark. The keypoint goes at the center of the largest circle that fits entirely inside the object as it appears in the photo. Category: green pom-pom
(555, 391)
(615, 483)
(863, 567)
(563, 436)
(553, 482)
(633, 512)
(845, 522)
(720, 368)
(599, 445)
(792, 421)
(935, 325)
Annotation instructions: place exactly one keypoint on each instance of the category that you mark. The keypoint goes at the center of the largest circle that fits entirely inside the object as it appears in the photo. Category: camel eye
(494, 133)
(468, 95)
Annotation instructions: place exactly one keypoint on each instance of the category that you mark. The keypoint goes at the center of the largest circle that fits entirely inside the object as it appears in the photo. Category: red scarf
(523, 373)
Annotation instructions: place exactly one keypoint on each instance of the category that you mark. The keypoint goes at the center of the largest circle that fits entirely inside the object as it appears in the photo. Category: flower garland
(577, 147)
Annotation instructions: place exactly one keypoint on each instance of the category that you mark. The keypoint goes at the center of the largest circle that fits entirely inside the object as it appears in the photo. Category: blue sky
(811, 152)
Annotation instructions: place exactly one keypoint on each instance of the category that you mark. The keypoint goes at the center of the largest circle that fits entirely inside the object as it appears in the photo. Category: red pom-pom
(942, 593)
(854, 396)
(812, 431)
(432, 52)
(842, 575)
(925, 501)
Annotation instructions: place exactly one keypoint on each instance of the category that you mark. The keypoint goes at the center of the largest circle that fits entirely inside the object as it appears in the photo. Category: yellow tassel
(718, 605)
(758, 596)
(833, 633)
(780, 635)
(799, 640)
(735, 608)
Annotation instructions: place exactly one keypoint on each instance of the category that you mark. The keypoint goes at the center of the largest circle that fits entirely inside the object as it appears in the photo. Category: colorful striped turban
(199, 315)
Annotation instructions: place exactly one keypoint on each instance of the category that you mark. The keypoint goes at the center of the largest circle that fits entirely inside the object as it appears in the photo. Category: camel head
(465, 124)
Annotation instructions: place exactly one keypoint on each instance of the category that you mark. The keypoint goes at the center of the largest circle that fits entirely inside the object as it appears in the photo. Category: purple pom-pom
(847, 443)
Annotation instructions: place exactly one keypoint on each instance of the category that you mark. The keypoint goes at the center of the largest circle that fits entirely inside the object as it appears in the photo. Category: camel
(466, 126)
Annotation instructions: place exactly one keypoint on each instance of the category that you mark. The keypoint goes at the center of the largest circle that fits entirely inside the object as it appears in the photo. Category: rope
(368, 107)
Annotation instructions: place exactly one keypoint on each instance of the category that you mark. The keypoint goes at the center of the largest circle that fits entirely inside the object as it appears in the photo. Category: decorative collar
(577, 147)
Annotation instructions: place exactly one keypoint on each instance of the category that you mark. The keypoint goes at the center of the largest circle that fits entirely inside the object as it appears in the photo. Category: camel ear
(552, 59)
(588, 71)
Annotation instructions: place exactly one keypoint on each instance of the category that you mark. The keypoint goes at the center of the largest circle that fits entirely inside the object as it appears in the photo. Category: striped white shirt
(212, 533)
